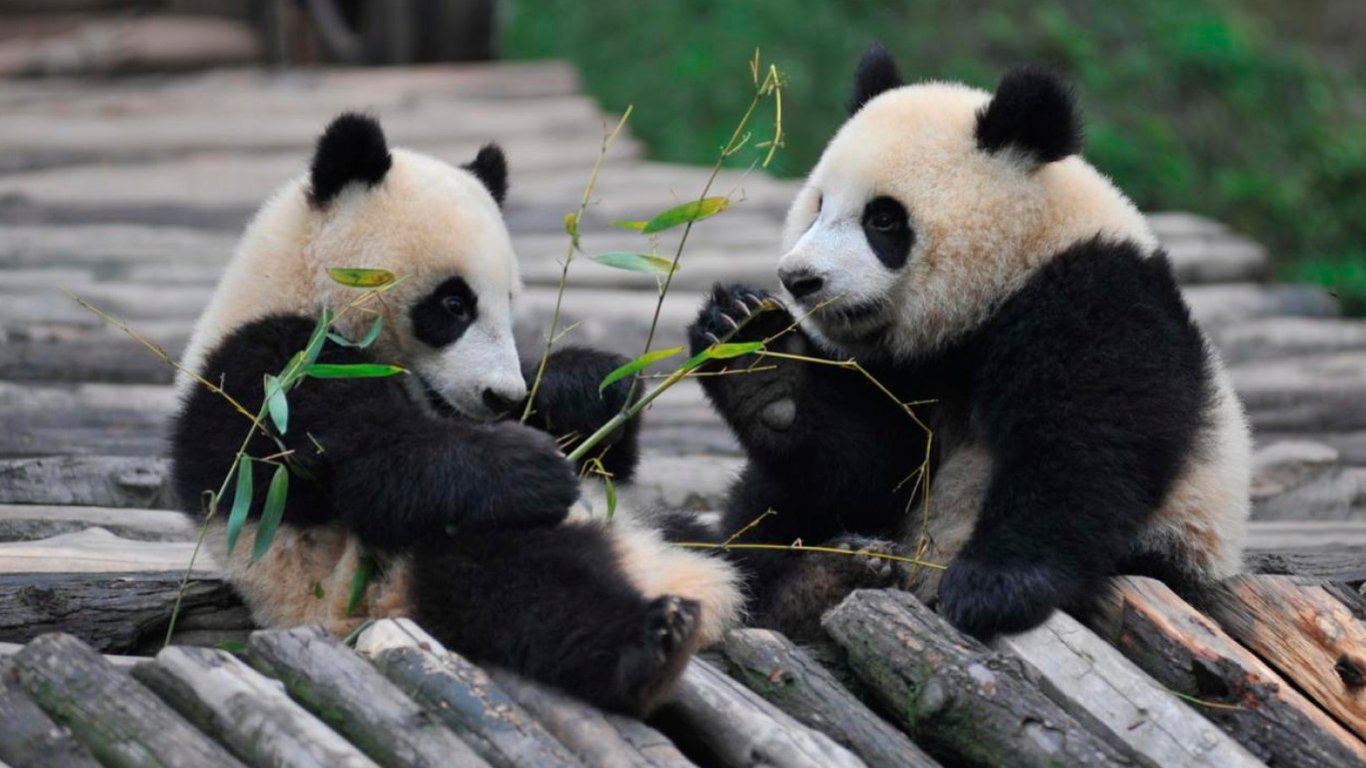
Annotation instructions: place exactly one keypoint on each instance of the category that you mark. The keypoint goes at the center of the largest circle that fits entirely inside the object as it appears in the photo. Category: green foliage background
(1200, 105)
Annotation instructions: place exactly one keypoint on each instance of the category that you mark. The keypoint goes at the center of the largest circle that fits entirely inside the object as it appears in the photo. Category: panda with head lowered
(954, 243)
(465, 510)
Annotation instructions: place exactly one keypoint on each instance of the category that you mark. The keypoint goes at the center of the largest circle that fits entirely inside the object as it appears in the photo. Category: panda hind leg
(553, 604)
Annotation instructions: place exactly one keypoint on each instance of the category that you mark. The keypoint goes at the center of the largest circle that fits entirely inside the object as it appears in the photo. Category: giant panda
(955, 244)
(466, 510)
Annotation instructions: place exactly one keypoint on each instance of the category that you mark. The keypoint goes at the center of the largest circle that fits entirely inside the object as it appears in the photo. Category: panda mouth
(853, 318)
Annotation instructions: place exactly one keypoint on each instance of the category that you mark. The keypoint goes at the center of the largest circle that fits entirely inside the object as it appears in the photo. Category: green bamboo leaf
(571, 228)
(353, 370)
(365, 341)
(696, 210)
(274, 510)
(634, 262)
(359, 581)
(241, 502)
(276, 403)
(356, 277)
(638, 364)
(735, 349)
(316, 340)
(611, 496)
(624, 224)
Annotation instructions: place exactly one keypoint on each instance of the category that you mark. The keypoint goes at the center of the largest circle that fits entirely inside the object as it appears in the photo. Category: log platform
(130, 193)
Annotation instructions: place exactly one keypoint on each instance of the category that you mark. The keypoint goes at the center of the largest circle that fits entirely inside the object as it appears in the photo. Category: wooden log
(96, 550)
(771, 666)
(118, 719)
(29, 522)
(354, 698)
(462, 695)
(954, 695)
(248, 713)
(28, 737)
(114, 613)
(96, 481)
(594, 737)
(1304, 632)
(1335, 563)
(739, 729)
(1189, 654)
(1104, 690)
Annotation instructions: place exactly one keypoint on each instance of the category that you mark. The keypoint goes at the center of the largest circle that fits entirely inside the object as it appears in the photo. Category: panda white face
(932, 204)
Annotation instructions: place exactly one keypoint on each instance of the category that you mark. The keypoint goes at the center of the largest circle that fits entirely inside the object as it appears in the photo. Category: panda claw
(742, 306)
(734, 325)
(712, 337)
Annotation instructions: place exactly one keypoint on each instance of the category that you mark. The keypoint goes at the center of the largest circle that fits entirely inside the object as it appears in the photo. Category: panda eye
(884, 221)
(455, 306)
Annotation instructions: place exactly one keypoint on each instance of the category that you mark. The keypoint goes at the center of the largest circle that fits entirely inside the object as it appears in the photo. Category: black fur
(876, 73)
(1087, 387)
(568, 403)
(442, 317)
(351, 149)
(492, 168)
(888, 229)
(476, 504)
(1034, 112)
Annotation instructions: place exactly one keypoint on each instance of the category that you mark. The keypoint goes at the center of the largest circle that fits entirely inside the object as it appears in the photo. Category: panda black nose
(801, 283)
(498, 402)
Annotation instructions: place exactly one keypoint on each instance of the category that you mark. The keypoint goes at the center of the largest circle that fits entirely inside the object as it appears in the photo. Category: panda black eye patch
(442, 317)
(888, 229)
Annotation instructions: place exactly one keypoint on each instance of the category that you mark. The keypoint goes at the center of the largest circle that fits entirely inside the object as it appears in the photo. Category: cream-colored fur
(984, 223)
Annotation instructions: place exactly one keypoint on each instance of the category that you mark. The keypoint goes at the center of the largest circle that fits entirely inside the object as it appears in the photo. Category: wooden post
(1101, 688)
(244, 710)
(953, 694)
(1304, 632)
(28, 737)
(741, 730)
(120, 721)
(462, 695)
(771, 666)
(1189, 654)
(354, 698)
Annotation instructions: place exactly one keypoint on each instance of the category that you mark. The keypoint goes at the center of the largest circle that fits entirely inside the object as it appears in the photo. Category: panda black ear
(876, 73)
(1032, 111)
(351, 149)
(492, 168)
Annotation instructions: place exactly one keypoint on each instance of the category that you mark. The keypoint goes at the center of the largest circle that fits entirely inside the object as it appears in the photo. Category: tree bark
(28, 737)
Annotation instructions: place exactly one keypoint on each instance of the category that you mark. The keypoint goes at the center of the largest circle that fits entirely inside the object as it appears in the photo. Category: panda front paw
(737, 313)
(985, 599)
(525, 482)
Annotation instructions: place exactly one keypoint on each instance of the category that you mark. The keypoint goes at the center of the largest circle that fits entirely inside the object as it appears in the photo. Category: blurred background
(1248, 111)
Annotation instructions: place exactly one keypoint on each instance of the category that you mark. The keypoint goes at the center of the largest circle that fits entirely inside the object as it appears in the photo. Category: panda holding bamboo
(466, 510)
(954, 243)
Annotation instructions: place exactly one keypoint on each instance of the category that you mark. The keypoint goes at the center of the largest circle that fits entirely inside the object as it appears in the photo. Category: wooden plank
(1189, 654)
(1272, 535)
(114, 613)
(118, 719)
(248, 713)
(1335, 563)
(29, 522)
(96, 550)
(28, 737)
(462, 695)
(1101, 688)
(95, 481)
(771, 666)
(1301, 630)
(954, 695)
(740, 729)
(354, 698)
(595, 738)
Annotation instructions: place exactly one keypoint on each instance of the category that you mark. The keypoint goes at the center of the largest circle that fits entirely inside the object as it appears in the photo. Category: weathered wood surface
(1301, 630)
(27, 522)
(354, 698)
(1187, 653)
(740, 730)
(954, 695)
(1101, 688)
(114, 613)
(29, 738)
(462, 695)
(248, 713)
(118, 719)
(776, 669)
(1334, 563)
(595, 738)
(96, 550)
(95, 481)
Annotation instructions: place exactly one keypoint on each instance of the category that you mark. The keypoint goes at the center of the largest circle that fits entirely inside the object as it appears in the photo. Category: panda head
(437, 227)
(934, 202)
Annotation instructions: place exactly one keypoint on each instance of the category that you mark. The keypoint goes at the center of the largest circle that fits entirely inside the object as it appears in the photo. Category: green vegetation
(1191, 104)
